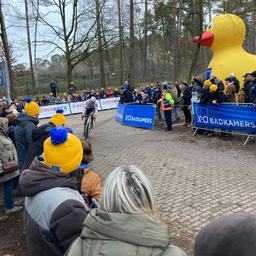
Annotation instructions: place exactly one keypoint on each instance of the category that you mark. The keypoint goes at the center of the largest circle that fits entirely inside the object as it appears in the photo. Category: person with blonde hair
(127, 222)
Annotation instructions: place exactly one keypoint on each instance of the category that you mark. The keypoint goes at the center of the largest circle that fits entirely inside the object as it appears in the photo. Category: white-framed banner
(77, 107)
(109, 103)
(49, 111)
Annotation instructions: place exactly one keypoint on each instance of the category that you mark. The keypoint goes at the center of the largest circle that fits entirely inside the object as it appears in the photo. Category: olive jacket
(115, 234)
(7, 153)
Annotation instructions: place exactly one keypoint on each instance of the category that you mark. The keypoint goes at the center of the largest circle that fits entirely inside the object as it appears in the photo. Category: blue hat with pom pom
(63, 151)
(31, 108)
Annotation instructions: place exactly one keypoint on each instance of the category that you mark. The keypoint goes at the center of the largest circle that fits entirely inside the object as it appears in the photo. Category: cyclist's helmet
(93, 99)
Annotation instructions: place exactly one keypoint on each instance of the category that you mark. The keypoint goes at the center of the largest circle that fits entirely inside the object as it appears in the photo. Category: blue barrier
(137, 115)
(225, 117)
(120, 113)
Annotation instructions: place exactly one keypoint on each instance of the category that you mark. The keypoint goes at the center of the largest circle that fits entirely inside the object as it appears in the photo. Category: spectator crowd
(171, 97)
(67, 210)
(74, 96)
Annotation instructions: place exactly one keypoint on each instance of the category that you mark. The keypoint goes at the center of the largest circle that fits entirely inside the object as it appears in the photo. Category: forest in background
(101, 43)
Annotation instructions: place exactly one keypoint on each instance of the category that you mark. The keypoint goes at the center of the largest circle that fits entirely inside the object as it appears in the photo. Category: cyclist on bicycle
(90, 107)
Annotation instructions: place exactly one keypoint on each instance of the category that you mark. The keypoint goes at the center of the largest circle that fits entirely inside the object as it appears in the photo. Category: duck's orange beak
(207, 39)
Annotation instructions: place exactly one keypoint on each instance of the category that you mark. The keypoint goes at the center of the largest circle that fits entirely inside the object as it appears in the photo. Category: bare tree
(199, 24)
(101, 60)
(120, 30)
(32, 74)
(7, 51)
(35, 9)
(145, 46)
(76, 35)
(132, 44)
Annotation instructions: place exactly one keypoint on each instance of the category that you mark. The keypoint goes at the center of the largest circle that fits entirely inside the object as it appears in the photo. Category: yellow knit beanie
(63, 152)
(213, 88)
(31, 108)
(207, 83)
(59, 119)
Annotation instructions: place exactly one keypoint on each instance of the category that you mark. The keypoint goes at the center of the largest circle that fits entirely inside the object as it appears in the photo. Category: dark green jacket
(117, 234)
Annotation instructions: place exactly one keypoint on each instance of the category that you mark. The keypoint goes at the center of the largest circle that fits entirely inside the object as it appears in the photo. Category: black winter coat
(251, 90)
(236, 84)
(221, 86)
(206, 96)
(219, 96)
(199, 82)
(187, 95)
(23, 135)
(156, 96)
(246, 91)
(39, 135)
(126, 97)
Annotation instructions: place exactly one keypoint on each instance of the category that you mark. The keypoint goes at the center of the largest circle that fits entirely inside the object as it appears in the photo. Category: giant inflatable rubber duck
(225, 35)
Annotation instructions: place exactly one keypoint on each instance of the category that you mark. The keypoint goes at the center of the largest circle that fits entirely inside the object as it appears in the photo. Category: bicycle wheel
(88, 126)
(92, 121)
(85, 128)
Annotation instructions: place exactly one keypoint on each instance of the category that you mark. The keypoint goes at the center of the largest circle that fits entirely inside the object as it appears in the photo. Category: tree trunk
(120, 30)
(7, 52)
(209, 9)
(132, 45)
(199, 11)
(254, 29)
(179, 44)
(69, 74)
(32, 74)
(101, 60)
(111, 64)
(145, 40)
(35, 44)
(175, 39)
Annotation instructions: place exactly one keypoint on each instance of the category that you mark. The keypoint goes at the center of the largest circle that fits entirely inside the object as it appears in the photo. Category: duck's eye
(210, 26)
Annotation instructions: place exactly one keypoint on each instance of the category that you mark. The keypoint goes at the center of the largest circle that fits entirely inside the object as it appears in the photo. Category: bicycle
(88, 124)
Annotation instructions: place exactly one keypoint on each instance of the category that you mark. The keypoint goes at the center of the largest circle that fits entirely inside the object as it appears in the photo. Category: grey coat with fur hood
(54, 209)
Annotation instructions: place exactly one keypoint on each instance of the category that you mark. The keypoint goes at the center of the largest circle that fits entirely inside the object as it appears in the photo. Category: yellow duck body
(225, 35)
(237, 61)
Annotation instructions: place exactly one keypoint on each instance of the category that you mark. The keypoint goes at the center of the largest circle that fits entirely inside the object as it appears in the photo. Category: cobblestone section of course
(195, 179)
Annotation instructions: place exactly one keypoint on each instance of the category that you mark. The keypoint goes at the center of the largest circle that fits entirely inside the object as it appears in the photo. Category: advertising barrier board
(109, 103)
(137, 115)
(225, 117)
(120, 113)
(77, 107)
(49, 111)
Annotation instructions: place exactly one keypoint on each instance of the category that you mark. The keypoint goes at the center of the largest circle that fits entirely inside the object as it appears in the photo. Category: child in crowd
(91, 185)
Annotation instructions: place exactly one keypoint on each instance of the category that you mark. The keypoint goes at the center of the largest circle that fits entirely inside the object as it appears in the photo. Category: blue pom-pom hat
(58, 135)
(60, 111)
(28, 100)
